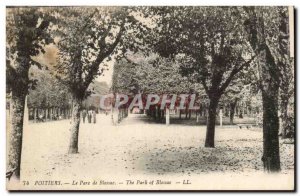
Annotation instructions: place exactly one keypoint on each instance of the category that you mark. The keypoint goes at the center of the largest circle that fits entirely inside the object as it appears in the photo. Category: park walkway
(136, 147)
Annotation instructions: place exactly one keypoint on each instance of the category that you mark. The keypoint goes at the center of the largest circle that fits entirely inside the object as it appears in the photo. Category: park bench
(248, 126)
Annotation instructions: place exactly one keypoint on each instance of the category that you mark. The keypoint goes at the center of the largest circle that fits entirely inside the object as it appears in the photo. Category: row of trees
(86, 39)
(26, 32)
(243, 36)
(48, 98)
(219, 57)
(47, 91)
(152, 73)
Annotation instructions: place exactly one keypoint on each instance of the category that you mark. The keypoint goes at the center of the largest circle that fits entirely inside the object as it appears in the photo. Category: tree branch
(79, 30)
(205, 85)
(102, 39)
(234, 72)
(102, 55)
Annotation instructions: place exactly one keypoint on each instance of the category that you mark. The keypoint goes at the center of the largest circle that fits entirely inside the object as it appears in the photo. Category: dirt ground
(137, 150)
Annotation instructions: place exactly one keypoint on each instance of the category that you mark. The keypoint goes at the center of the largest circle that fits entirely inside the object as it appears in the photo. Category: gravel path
(137, 148)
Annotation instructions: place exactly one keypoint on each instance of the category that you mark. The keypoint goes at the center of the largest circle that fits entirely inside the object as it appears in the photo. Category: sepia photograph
(150, 98)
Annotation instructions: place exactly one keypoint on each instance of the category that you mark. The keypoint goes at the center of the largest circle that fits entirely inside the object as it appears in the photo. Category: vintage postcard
(150, 98)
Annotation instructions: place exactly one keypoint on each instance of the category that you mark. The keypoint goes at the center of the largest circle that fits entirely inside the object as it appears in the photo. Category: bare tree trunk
(232, 110)
(211, 123)
(46, 114)
(16, 133)
(186, 113)
(269, 84)
(226, 110)
(284, 117)
(50, 113)
(287, 73)
(270, 89)
(158, 111)
(167, 116)
(155, 112)
(75, 122)
(201, 109)
(271, 157)
(34, 114)
(197, 115)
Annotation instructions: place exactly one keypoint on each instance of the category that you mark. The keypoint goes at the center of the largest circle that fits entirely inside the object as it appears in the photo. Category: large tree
(213, 54)
(26, 31)
(268, 32)
(48, 92)
(286, 63)
(88, 39)
(286, 94)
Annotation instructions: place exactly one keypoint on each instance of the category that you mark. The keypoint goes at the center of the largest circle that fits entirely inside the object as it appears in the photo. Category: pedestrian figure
(94, 117)
(83, 115)
(41, 118)
(90, 116)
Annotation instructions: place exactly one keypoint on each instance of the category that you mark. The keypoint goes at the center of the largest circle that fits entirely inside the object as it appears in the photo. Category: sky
(107, 74)
(49, 58)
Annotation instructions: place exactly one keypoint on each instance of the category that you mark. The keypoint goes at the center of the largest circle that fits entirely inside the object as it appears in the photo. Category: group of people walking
(90, 114)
